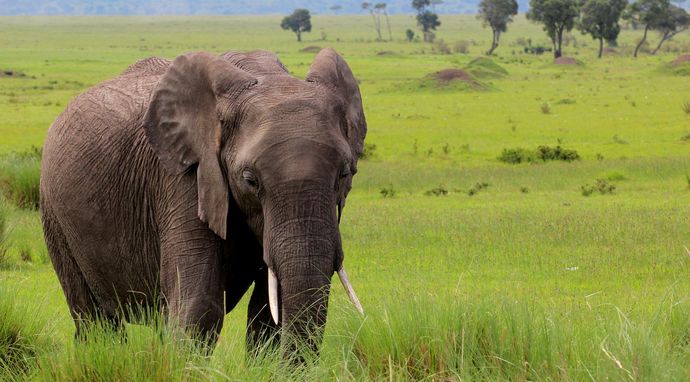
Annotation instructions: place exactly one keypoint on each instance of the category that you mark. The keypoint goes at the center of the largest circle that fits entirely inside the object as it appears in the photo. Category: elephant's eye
(345, 172)
(250, 178)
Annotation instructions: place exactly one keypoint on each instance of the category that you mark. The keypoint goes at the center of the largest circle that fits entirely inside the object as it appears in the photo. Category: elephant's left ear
(331, 70)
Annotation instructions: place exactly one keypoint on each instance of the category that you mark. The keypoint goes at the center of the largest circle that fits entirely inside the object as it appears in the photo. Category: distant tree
(426, 19)
(409, 34)
(649, 13)
(335, 8)
(381, 8)
(599, 18)
(497, 14)
(371, 7)
(558, 16)
(299, 21)
(675, 20)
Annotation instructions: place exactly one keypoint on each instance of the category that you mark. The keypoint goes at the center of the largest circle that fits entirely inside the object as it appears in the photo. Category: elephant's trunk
(301, 242)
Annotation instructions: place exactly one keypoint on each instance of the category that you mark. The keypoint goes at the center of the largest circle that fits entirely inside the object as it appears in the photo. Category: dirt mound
(457, 78)
(311, 49)
(449, 75)
(485, 68)
(11, 73)
(684, 59)
(385, 53)
(566, 61)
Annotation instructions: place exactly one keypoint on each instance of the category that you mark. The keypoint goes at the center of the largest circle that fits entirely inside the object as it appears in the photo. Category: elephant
(177, 185)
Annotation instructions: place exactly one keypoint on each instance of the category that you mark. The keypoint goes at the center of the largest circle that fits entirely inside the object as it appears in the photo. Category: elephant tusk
(273, 294)
(350, 291)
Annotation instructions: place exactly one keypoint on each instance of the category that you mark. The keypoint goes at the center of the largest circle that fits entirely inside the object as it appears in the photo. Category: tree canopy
(299, 21)
(497, 14)
(557, 16)
(600, 20)
(426, 19)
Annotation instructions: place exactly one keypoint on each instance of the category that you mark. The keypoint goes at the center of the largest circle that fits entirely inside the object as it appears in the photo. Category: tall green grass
(4, 236)
(23, 336)
(20, 174)
(438, 339)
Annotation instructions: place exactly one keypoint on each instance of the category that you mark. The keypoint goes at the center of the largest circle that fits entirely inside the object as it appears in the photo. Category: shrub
(541, 154)
(687, 178)
(388, 192)
(477, 187)
(685, 138)
(462, 47)
(441, 47)
(546, 153)
(601, 186)
(524, 190)
(545, 108)
(20, 175)
(368, 152)
(409, 34)
(438, 191)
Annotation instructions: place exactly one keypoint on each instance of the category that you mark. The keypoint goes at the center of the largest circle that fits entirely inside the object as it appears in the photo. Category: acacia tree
(558, 16)
(497, 14)
(299, 21)
(335, 8)
(675, 20)
(649, 13)
(600, 19)
(382, 8)
(426, 19)
(374, 12)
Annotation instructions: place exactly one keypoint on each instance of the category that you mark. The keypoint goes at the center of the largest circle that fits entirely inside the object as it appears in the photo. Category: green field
(525, 279)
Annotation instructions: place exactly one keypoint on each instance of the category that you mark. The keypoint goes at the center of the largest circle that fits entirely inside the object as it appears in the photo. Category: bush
(462, 47)
(368, 152)
(20, 175)
(477, 187)
(438, 191)
(686, 108)
(388, 192)
(541, 154)
(602, 186)
(545, 108)
(441, 47)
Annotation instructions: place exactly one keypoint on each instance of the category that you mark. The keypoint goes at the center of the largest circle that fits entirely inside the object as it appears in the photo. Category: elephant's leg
(192, 281)
(261, 330)
(80, 300)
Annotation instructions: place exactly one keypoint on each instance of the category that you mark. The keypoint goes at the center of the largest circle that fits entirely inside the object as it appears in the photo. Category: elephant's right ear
(184, 129)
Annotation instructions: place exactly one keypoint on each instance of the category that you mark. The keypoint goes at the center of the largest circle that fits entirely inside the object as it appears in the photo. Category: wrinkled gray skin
(176, 184)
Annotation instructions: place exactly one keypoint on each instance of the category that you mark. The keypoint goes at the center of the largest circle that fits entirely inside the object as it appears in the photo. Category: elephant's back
(101, 126)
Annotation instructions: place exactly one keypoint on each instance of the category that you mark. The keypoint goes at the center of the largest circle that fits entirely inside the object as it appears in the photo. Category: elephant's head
(279, 149)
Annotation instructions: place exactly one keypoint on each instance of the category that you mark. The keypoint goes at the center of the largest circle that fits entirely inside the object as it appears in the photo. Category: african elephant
(176, 185)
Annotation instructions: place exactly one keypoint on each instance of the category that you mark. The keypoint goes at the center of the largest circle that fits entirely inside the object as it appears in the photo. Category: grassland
(526, 279)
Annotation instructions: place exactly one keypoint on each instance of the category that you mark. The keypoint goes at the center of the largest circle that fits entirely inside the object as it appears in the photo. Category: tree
(497, 14)
(649, 13)
(381, 8)
(558, 16)
(299, 21)
(375, 16)
(426, 19)
(335, 8)
(675, 20)
(599, 18)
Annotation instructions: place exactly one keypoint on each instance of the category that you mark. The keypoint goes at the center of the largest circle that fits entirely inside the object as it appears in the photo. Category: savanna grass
(20, 174)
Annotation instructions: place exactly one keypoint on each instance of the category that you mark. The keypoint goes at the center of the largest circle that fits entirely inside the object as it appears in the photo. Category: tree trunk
(644, 38)
(559, 43)
(376, 25)
(388, 24)
(663, 38)
(494, 43)
(601, 47)
(299, 36)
